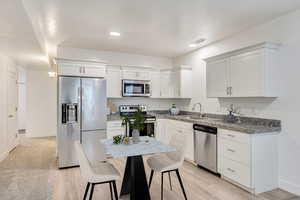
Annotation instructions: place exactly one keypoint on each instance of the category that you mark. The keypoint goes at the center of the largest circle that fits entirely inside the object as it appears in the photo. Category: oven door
(135, 88)
(149, 130)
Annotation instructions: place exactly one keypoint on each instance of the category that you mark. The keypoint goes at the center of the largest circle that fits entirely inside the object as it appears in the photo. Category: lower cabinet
(248, 160)
(165, 128)
(114, 128)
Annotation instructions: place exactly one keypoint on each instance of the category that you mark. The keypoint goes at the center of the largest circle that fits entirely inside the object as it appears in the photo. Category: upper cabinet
(136, 74)
(114, 82)
(172, 83)
(83, 69)
(155, 84)
(248, 72)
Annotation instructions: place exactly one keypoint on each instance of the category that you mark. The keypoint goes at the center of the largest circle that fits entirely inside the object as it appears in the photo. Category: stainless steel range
(150, 120)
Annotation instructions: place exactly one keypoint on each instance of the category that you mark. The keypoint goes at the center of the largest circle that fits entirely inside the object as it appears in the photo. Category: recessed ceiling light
(192, 45)
(114, 33)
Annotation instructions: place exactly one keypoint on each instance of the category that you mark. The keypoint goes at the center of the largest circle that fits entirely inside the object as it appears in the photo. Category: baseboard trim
(290, 187)
(3, 155)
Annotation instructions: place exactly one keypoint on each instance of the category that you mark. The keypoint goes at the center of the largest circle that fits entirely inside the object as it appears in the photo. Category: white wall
(285, 30)
(40, 104)
(114, 58)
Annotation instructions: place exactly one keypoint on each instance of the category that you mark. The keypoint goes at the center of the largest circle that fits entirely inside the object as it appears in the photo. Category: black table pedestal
(135, 181)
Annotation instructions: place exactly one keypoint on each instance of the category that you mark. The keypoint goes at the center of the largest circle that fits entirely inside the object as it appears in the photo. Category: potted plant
(136, 121)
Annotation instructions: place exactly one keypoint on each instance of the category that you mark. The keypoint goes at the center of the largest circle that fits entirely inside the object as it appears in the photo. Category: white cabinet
(248, 72)
(165, 128)
(217, 78)
(114, 82)
(70, 68)
(160, 130)
(248, 160)
(155, 84)
(89, 70)
(176, 83)
(135, 74)
(114, 128)
(186, 83)
(165, 82)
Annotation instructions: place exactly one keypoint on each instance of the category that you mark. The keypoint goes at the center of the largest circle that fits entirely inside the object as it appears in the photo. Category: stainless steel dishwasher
(205, 141)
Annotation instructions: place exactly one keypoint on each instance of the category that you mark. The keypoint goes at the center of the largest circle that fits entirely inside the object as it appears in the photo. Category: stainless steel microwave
(135, 88)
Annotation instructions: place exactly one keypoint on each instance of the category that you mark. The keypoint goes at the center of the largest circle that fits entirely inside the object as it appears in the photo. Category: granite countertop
(246, 125)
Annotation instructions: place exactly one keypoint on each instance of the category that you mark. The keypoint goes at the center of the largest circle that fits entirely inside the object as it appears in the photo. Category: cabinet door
(247, 74)
(160, 130)
(69, 69)
(165, 84)
(114, 83)
(136, 75)
(155, 84)
(174, 84)
(93, 71)
(143, 75)
(186, 83)
(189, 153)
(217, 78)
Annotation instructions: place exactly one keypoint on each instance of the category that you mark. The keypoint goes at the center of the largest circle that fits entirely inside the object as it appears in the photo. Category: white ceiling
(158, 28)
(17, 38)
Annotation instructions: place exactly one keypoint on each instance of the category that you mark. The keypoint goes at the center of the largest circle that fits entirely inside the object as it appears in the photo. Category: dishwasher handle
(206, 129)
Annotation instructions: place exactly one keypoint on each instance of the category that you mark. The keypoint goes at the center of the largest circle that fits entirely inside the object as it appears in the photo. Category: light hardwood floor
(30, 172)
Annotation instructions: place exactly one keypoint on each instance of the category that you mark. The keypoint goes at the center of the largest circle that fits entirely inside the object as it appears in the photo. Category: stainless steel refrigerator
(81, 115)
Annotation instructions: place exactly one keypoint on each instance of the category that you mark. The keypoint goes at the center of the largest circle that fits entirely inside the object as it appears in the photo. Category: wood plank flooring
(30, 172)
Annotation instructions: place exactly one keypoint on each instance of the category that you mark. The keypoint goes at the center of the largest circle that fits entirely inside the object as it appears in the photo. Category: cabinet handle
(231, 135)
(83, 69)
(231, 170)
(80, 69)
(230, 90)
(231, 150)
(227, 90)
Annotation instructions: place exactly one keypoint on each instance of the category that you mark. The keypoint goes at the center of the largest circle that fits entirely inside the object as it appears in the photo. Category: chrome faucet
(200, 107)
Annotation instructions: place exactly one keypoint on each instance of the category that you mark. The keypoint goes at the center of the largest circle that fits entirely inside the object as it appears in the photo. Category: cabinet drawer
(234, 136)
(181, 125)
(235, 151)
(236, 172)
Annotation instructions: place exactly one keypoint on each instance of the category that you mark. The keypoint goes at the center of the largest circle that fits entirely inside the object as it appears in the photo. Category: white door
(155, 85)
(12, 107)
(217, 78)
(247, 74)
(114, 83)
